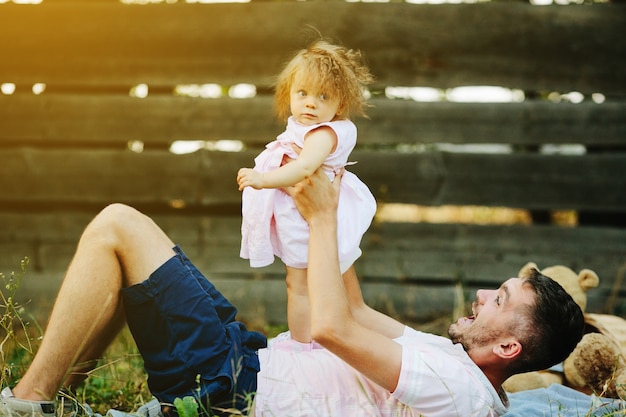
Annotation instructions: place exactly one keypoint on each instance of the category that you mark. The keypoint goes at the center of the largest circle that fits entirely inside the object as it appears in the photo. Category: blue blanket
(561, 401)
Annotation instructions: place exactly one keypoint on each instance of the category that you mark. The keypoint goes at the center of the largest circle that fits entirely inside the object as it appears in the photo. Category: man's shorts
(189, 339)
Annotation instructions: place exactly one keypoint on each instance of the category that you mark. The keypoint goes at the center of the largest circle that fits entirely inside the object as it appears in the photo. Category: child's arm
(318, 144)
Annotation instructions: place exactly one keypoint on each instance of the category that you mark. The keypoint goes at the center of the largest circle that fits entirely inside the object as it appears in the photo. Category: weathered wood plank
(264, 302)
(408, 269)
(514, 180)
(34, 177)
(113, 120)
(112, 44)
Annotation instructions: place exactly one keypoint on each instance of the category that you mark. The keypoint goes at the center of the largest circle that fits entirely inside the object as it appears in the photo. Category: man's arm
(332, 322)
(363, 313)
(366, 315)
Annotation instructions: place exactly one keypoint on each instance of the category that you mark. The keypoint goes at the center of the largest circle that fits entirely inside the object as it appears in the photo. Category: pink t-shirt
(437, 379)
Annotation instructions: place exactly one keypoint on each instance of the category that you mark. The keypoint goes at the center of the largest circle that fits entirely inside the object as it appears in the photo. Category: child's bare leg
(298, 318)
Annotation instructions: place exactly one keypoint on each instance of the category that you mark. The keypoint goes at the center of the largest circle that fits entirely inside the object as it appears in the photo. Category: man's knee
(130, 230)
(117, 212)
(112, 220)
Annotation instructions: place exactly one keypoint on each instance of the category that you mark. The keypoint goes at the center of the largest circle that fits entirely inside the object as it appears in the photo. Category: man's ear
(508, 349)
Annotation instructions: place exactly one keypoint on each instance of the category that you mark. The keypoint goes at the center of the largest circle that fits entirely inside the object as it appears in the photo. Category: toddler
(317, 92)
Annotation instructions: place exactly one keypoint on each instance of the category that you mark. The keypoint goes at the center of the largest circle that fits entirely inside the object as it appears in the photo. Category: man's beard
(473, 336)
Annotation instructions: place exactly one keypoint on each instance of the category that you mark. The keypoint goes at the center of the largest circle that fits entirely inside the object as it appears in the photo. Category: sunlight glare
(563, 149)
(445, 1)
(225, 145)
(180, 147)
(139, 91)
(242, 91)
(148, 1)
(38, 88)
(7, 88)
(216, 1)
(484, 94)
(425, 94)
(199, 90)
(598, 98)
(135, 146)
(571, 97)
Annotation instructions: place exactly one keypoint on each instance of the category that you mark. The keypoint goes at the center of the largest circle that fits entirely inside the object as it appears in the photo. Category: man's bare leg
(119, 248)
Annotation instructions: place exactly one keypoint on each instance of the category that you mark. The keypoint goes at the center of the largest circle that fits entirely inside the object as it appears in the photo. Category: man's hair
(339, 71)
(551, 328)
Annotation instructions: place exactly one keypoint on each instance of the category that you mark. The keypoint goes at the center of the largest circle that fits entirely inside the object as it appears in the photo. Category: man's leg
(119, 248)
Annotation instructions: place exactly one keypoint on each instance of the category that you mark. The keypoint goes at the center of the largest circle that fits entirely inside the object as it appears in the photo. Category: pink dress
(271, 224)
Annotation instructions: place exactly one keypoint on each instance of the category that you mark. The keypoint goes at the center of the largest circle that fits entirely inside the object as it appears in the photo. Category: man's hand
(247, 177)
(316, 195)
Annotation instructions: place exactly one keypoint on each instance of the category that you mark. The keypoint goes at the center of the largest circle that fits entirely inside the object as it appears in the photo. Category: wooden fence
(65, 152)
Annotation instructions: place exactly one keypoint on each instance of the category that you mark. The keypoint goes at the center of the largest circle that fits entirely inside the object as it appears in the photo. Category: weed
(16, 347)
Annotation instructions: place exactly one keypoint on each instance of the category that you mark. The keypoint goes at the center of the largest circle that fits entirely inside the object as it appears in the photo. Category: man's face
(495, 313)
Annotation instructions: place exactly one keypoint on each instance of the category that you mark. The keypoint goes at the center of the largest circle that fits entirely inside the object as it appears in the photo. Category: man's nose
(483, 295)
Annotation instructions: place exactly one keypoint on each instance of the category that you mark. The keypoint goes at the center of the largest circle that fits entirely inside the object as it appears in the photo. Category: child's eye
(498, 300)
(323, 97)
(302, 93)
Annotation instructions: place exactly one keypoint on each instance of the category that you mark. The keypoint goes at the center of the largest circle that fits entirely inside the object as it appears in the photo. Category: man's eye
(498, 300)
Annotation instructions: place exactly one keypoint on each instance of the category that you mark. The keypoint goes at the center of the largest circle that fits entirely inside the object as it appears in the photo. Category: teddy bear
(577, 286)
(597, 364)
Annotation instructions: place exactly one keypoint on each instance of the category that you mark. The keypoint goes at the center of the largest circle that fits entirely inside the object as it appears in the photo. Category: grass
(119, 382)
(16, 347)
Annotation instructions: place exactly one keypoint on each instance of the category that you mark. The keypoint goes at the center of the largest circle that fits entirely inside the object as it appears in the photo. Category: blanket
(561, 401)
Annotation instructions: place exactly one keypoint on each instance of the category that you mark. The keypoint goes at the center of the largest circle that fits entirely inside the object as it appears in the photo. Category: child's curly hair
(333, 70)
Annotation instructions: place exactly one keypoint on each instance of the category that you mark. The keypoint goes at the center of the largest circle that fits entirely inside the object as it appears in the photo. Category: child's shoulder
(341, 127)
(344, 128)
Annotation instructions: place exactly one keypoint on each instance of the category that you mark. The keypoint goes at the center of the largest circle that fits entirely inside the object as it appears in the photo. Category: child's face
(310, 106)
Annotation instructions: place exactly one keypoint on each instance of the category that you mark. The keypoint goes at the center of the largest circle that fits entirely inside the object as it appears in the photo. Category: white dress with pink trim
(271, 224)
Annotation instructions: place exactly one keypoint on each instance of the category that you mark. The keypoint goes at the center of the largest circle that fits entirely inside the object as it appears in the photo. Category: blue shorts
(188, 337)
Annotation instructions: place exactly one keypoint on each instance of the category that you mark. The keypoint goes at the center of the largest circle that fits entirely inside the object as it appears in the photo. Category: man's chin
(463, 322)
(456, 329)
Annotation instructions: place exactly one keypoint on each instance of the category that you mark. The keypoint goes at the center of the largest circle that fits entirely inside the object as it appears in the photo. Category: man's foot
(14, 407)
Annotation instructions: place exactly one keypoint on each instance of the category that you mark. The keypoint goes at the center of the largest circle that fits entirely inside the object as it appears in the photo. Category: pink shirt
(437, 379)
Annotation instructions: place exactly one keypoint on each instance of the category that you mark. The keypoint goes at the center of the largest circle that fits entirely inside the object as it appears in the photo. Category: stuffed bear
(577, 286)
(597, 364)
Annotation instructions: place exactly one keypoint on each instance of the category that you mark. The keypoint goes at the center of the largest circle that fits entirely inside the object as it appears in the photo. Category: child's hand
(247, 177)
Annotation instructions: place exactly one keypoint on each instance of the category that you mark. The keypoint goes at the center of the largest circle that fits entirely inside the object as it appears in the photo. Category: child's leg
(298, 318)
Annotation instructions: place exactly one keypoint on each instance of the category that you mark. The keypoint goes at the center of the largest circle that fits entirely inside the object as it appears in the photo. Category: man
(361, 362)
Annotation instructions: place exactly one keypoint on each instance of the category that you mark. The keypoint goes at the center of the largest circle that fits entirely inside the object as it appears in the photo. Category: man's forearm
(377, 321)
(327, 294)
(364, 314)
